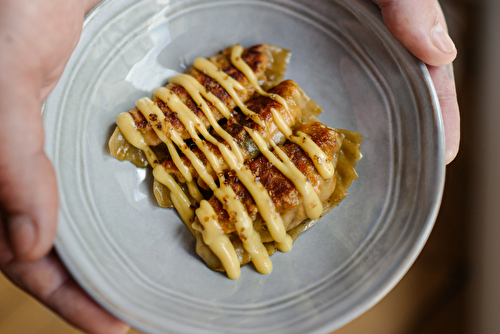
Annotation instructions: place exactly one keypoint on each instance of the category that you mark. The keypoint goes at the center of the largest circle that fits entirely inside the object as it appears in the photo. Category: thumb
(420, 26)
(28, 191)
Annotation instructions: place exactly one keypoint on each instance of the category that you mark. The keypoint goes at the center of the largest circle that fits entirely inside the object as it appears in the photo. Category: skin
(420, 26)
(37, 39)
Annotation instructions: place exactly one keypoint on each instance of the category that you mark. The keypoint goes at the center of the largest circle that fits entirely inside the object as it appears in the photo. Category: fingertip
(420, 27)
(451, 119)
(122, 328)
(452, 132)
(45, 211)
(116, 327)
(442, 41)
(24, 240)
(451, 154)
(21, 231)
(444, 83)
(30, 209)
(445, 50)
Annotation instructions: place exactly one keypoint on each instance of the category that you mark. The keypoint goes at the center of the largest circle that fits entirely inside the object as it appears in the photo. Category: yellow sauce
(126, 124)
(179, 199)
(309, 196)
(212, 233)
(191, 122)
(196, 90)
(154, 115)
(215, 238)
(229, 84)
(181, 202)
(319, 158)
(256, 189)
(243, 67)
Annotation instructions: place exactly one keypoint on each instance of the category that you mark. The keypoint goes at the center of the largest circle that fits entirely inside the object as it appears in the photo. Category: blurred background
(454, 286)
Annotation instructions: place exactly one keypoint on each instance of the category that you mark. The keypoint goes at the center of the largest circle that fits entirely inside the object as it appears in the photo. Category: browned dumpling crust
(247, 169)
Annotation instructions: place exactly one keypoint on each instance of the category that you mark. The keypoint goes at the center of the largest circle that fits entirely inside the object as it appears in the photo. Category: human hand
(37, 39)
(420, 26)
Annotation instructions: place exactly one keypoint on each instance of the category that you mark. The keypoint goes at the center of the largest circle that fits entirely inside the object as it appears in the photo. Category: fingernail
(442, 40)
(21, 234)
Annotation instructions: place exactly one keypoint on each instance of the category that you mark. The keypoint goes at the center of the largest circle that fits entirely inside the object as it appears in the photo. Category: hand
(37, 39)
(420, 26)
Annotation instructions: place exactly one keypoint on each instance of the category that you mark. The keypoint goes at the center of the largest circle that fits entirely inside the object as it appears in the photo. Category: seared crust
(269, 64)
(287, 200)
(261, 105)
(256, 57)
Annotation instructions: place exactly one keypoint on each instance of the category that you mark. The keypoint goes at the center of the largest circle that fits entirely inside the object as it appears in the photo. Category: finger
(48, 281)
(420, 26)
(444, 82)
(28, 192)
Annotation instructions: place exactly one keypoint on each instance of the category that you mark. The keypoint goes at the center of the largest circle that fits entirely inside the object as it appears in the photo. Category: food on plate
(240, 155)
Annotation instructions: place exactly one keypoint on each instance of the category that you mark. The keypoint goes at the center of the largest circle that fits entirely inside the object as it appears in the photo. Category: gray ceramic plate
(138, 260)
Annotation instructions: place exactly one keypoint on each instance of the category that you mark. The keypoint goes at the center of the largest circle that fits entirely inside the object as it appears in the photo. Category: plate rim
(389, 284)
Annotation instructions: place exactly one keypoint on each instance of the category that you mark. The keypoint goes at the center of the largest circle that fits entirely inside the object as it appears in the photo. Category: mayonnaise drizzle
(191, 122)
(244, 227)
(256, 189)
(154, 115)
(323, 164)
(311, 199)
(243, 67)
(126, 124)
(179, 199)
(181, 202)
(215, 238)
(213, 235)
(319, 158)
(229, 84)
(196, 90)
